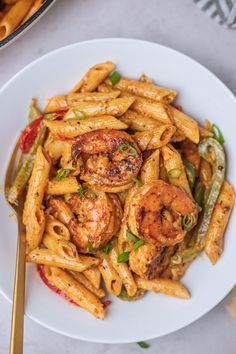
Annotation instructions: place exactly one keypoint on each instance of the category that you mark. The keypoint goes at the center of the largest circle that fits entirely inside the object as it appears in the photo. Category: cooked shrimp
(112, 159)
(92, 218)
(145, 261)
(161, 213)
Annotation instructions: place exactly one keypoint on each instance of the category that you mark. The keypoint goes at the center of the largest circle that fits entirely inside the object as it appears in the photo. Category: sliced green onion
(174, 173)
(107, 248)
(123, 257)
(131, 237)
(114, 78)
(137, 182)
(191, 172)
(62, 173)
(123, 147)
(187, 221)
(218, 134)
(138, 244)
(143, 345)
(87, 193)
(79, 114)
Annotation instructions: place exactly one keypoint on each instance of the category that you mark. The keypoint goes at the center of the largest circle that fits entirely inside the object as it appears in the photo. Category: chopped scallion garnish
(114, 78)
(123, 257)
(131, 237)
(218, 134)
(87, 193)
(137, 182)
(129, 148)
(143, 345)
(138, 244)
(62, 173)
(187, 221)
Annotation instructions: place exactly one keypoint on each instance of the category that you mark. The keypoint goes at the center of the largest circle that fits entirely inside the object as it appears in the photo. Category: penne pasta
(72, 130)
(75, 291)
(123, 270)
(64, 186)
(13, 17)
(49, 257)
(72, 100)
(94, 77)
(214, 241)
(138, 122)
(33, 215)
(163, 286)
(81, 278)
(150, 168)
(175, 168)
(146, 90)
(63, 248)
(152, 109)
(55, 228)
(94, 276)
(34, 8)
(110, 276)
(187, 125)
(155, 138)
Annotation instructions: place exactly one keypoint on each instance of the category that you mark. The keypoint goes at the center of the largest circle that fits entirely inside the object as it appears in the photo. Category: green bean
(25, 171)
(206, 148)
(34, 112)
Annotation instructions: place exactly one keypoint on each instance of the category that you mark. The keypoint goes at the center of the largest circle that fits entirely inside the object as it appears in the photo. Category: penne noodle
(81, 278)
(94, 77)
(214, 242)
(138, 122)
(72, 100)
(173, 164)
(33, 216)
(146, 90)
(163, 286)
(150, 168)
(205, 133)
(61, 247)
(57, 229)
(94, 276)
(123, 271)
(110, 276)
(178, 136)
(155, 138)
(13, 17)
(75, 291)
(64, 186)
(71, 130)
(114, 107)
(34, 8)
(152, 109)
(49, 257)
(187, 125)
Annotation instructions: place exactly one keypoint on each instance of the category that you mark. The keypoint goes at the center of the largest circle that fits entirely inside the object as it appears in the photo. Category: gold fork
(17, 325)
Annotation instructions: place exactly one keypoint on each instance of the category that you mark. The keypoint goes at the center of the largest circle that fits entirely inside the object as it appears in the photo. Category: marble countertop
(177, 24)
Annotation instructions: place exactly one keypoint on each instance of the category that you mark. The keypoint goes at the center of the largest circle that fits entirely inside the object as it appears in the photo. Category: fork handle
(17, 324)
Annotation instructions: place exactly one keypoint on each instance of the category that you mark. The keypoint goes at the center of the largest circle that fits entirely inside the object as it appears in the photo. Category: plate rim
(214, 77)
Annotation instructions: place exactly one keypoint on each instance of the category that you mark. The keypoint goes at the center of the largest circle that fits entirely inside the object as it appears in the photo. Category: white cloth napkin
(222, 11)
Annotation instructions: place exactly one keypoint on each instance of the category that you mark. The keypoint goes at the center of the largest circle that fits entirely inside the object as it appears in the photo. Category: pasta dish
(14, 13)
(123, 190)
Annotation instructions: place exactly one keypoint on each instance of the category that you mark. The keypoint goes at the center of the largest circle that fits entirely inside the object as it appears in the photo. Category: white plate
(202, 95)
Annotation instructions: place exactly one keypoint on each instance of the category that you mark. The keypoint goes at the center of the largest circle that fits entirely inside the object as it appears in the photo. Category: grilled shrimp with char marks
(111, 159)
(92, 222)
(161, 213)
